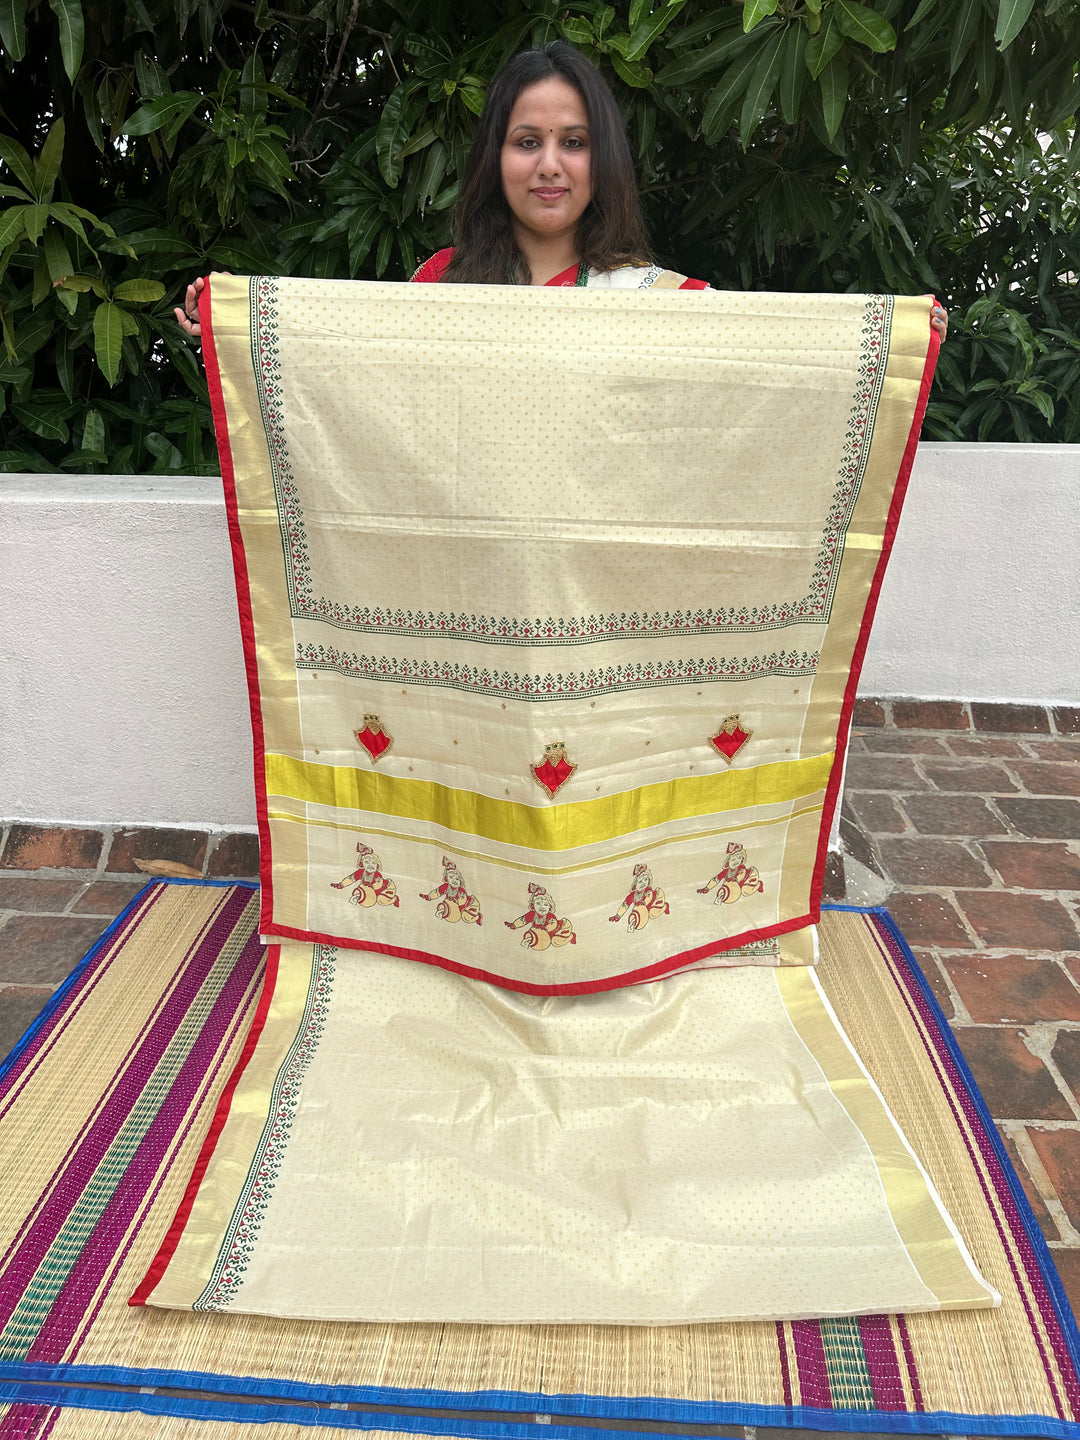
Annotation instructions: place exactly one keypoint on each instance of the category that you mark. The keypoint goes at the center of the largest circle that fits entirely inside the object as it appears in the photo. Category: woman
(548, 196)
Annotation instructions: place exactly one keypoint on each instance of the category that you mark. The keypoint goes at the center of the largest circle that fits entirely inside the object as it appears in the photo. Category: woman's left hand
(939, 320)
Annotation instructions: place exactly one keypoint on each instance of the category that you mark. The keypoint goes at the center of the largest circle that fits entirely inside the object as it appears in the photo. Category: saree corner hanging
(554, 604)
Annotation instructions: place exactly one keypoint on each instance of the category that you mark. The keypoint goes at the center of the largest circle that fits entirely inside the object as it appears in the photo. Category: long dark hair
(611, 231)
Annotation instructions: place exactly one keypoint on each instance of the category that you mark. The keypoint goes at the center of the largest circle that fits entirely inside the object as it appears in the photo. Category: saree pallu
(554, 603)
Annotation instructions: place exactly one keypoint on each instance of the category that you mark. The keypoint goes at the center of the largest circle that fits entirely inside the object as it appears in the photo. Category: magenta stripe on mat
(55, 1025)
(938, 1052)
(909, 1361)
(880, 1351)
(28, 1422)
(107, 955)
(111, 1228)
(95, 1145)
(814, 1389)
(785, 1373)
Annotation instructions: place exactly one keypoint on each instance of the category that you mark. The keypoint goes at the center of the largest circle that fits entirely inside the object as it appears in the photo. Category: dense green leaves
(907, 145)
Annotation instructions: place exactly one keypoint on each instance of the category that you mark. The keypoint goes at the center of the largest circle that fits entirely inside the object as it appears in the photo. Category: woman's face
(545, 159)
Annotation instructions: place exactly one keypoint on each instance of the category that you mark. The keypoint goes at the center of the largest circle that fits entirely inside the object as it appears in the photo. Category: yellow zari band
(546, 827)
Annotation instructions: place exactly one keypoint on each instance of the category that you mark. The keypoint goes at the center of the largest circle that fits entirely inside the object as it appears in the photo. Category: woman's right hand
(187, 315)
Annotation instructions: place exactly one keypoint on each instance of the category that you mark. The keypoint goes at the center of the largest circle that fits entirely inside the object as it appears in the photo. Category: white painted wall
(122, 697)
(981, 600)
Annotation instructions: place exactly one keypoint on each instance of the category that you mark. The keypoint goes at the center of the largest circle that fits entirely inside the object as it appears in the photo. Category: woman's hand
(187, 315)
(939, 320)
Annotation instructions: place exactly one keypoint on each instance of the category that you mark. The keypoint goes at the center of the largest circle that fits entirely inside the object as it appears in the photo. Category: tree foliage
(906, 145)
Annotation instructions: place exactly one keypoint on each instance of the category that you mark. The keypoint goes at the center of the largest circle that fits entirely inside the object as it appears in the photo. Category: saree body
(555, 597)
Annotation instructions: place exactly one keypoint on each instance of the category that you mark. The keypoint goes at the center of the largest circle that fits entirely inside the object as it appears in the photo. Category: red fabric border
(832, 790)
(167, 1248)
(584, 987)
(243, 599)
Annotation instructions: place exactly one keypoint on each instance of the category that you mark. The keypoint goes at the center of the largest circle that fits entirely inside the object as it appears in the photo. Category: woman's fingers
(939, 320)
(187, 315)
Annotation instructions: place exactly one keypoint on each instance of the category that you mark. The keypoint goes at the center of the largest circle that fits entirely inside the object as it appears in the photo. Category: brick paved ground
(967, 817)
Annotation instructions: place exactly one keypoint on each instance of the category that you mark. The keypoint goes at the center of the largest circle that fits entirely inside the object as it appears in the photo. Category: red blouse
(432, 270)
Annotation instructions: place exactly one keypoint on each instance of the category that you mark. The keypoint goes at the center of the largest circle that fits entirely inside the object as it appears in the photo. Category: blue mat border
(323, 1416)
(59, 1384)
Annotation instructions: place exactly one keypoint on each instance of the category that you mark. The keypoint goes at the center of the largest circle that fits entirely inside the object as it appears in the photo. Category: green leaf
(32, 331)
(17, 161)
(57, 257)
(42, 420)
(13, 28)
(965, 27)
(108, 339)
(754, 11)
(638, 10)
(651, 28)
(47, 165)
(93, 435)
(447, 197)
(420, 141)
(65, 369)
(83, 283)
(431, 177)
(12, 225)
(576, 30)
(151, 80)
(382, 255)
(859, 22)
(793, 72)
(924, 9)
(36, 217)
(42, 282)
(834, 81)
(1012, 16)
(128, 323)
(160, 112)
(142, 290)
(821, 48)
(70, 16)
(689, 67)
(633, 72)
(390, 136)
(761, 85)
(473, 97)
(722, 99)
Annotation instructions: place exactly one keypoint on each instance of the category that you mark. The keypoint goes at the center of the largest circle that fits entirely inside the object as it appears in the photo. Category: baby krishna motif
(541, 924)
(453, 901)
(643, 902)
(372, 887)
(736, 880)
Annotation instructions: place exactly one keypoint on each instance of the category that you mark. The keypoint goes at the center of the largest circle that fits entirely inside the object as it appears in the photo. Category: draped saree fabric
(404, 1144)
(553, 604)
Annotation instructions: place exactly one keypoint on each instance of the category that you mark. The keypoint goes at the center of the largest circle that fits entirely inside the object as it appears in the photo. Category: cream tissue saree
(553, 604)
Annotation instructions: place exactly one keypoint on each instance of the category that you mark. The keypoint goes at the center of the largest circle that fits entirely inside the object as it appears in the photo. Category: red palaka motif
(373, 737)
(730, 738)
(554, 770)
